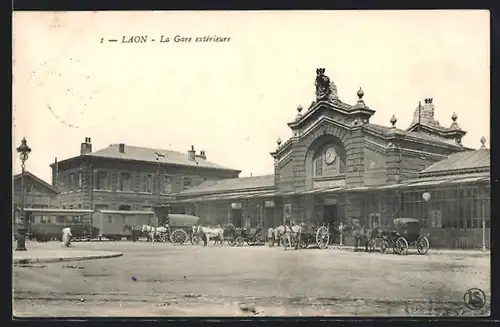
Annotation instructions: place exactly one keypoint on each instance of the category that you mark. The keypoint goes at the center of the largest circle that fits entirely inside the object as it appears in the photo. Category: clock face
(330, 155)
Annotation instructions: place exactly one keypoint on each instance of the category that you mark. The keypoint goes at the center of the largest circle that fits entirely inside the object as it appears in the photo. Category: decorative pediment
(328, 103)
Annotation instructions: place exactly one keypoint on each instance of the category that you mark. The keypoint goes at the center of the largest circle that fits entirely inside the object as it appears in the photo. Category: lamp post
(426, 196)
(24, 151)
(158, 178)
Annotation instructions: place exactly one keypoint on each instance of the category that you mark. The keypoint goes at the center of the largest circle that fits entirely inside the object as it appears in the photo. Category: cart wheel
(422, 245)
(383, 246)
(322, 237)
(239, 241)
(231, 242)
(178, 236)
(402, 246)
(195, 240)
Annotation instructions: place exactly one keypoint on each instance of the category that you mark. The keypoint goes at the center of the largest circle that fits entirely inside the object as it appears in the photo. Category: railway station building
(338, 166)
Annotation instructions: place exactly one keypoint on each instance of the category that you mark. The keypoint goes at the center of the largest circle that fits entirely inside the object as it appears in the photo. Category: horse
(362, 235)
(278, 233)
(229, 231)
(150, 232)
(136, 232)
(294, 231)
(208, 233)
(375, 233)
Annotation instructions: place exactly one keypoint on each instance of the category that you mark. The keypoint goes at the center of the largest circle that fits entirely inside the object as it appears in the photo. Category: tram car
(46, 224)
(117, 224)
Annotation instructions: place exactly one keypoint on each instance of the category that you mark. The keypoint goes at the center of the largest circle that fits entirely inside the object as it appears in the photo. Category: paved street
(163, 279)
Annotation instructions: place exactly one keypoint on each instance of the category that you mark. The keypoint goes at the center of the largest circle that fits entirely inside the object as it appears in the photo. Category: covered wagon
(180, 226)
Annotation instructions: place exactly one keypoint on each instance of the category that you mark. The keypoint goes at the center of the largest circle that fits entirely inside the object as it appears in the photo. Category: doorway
(330, 214)
(237, 215)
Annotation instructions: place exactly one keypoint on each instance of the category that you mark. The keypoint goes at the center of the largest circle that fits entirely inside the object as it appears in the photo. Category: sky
(234, 99)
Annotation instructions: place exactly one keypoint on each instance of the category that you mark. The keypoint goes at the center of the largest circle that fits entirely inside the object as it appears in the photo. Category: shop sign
(329, 183)
(236, 205)
(269, 204)
(330, 201)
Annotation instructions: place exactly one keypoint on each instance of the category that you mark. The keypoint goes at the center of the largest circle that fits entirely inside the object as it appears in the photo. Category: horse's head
(145, 228)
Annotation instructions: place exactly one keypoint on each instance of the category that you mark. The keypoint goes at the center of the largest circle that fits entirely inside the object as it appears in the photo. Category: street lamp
(24, 151)
(158, 178)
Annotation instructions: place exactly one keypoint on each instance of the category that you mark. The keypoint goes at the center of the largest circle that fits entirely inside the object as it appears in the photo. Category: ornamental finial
(393, 121)
(360, 93)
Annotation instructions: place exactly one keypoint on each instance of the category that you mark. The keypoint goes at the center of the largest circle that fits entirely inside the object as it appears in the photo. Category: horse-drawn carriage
(249, 235)
(406, 233)
(303, 235)
(180, 227)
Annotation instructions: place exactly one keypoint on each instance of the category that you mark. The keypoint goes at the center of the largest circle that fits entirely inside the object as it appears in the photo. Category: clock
(330, 155)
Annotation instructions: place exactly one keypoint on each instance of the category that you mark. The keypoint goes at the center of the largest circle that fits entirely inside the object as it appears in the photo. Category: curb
(431, 251)
(65, 259)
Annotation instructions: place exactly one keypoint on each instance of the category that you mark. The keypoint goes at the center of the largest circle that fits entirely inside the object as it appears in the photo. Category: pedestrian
(270, 236)
(66, 236)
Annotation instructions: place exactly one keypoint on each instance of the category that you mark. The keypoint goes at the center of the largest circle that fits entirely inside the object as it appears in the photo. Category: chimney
(86, 147)
(192, 154)
(121, 147)
(55, 173)
(202, 155)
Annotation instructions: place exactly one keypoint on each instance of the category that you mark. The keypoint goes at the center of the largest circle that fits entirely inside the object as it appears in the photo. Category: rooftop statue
(325, 90)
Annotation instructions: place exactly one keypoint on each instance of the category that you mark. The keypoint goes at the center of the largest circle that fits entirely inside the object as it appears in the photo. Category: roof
(57, 212)
(38, 180)
(126, 212)
(137, 153)
(461, 161)
(403, 221)
(231, 185)
(421, 136)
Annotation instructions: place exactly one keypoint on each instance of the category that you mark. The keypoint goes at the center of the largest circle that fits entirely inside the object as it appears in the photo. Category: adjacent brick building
(126, 177)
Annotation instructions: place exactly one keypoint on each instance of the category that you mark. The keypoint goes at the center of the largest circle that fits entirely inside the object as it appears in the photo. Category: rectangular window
(374, 218)
(102, 180)
(149, 185)
(80, 180)
(187, 182)
(71, 182)
(318, 167)
(125, 184)
(167, 184)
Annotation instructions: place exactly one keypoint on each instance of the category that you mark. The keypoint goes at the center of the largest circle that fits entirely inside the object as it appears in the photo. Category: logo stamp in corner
(475, 299)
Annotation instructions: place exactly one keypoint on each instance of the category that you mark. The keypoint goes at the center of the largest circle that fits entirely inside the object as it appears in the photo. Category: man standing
(66, 236)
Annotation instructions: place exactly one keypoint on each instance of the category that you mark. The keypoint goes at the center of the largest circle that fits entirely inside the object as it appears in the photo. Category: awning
(126, 212)
(57, 212)
(427, 183)
(217, 197)
(469, 180)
